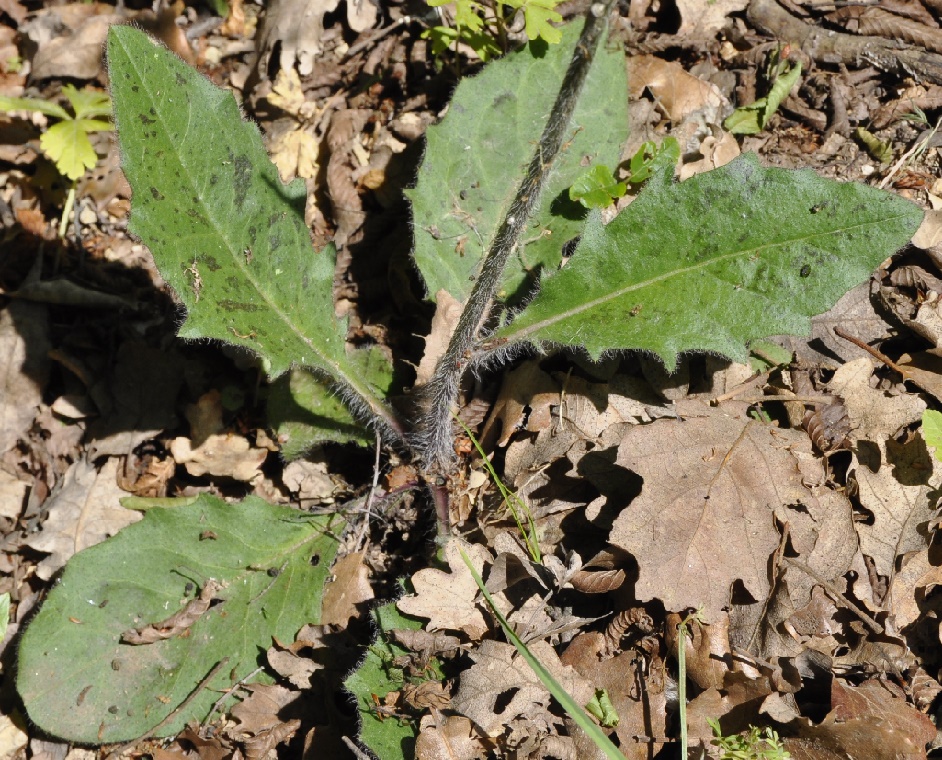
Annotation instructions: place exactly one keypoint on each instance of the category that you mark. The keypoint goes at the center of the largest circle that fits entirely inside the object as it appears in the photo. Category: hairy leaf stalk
(434, 436)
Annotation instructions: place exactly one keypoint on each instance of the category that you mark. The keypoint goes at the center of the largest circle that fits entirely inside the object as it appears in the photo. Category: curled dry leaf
(259, 712)
(349, 589)
(895, 480)
(426, 644)
(261, 745)
(447, 311)
(911, 586)
(705, 20)
(869, 721)
(597, 581)
(294, 28)
(229, 456)
(178, 623)
(24, 367)
(451, 738)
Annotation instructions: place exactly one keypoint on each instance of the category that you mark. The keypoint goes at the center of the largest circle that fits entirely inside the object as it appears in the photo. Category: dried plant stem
(878, 355)
(434, 437)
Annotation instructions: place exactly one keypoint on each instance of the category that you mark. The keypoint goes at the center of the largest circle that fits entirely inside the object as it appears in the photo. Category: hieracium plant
(711, 264)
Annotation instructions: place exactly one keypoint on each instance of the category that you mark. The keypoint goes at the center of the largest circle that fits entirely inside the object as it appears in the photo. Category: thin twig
(878, 355)
(361, 534)
(237, 685)
(837, 596)
(374, 38)
(825, 400)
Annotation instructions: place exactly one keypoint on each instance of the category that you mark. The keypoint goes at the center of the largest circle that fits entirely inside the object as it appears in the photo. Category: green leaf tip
(713, 263)
(390, 739)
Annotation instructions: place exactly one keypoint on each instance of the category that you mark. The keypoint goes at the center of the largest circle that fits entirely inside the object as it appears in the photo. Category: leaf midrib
(332, 366)
(524, 332)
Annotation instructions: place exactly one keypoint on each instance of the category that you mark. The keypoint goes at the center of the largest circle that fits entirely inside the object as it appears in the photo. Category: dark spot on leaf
(116, 664)
(230, 305)
(158, 196)
(315, 560)
(134, 87)
(805, 271)
(113, 709)
(181, 80)
(145, 120)
(211, 264)
(213, 179)
(242, 169)
(81, 696)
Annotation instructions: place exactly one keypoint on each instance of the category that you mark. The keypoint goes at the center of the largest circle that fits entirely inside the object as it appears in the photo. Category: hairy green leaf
(225, 232)
(477, 156)
(304, 413)
(710, 264)
(80, 682)
(378, 674)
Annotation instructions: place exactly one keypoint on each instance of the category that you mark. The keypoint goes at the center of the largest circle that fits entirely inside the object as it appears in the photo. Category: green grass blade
(572, 708)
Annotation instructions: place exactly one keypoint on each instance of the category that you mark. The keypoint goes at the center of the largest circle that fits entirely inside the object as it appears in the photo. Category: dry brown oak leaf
(713, 482)
(83, 512)
(447, 599)
(501, 686)
(896, 480)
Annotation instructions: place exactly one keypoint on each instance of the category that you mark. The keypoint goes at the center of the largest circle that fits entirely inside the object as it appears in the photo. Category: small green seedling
(881, 150)
(601, 708)
(757, 744)
(66, 142)
(651, 158)
(753, 118)
(597, 188)
(483, 26)
(932, 431)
